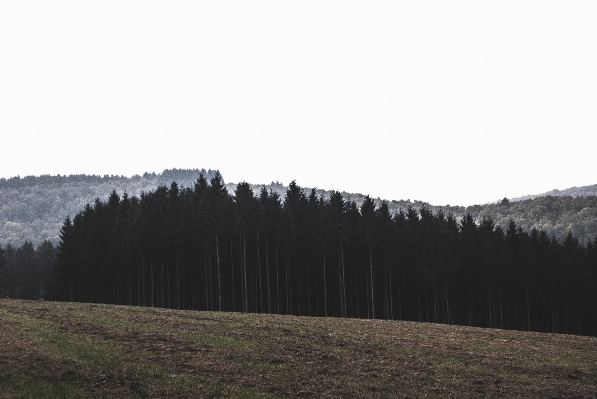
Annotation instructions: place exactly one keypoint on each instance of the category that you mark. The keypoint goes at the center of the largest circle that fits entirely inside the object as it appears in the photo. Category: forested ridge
(583, 191)
(201, 247)
(556, 215)
(33, 208)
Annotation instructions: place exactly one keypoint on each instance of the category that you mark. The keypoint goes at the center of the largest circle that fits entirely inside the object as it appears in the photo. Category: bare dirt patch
(89, 350)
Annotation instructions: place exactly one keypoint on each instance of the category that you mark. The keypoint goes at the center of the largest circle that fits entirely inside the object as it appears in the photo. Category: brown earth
(53, 349)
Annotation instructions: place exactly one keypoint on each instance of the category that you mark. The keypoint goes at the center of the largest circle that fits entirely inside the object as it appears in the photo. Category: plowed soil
(52, 349)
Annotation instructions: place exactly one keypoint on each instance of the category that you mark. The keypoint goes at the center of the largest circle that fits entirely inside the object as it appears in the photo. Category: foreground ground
(51, 349)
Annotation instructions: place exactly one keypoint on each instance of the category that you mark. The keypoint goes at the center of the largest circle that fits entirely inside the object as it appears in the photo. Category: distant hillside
(554, 215)
(583, 191)
(34, 207)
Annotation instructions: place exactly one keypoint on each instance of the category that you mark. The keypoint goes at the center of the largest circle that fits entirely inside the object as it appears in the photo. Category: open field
(72, 350)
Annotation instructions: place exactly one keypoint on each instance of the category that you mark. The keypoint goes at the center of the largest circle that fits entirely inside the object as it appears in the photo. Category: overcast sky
(445, 102)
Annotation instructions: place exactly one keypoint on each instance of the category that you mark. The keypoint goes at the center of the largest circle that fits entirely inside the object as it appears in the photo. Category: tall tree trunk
(210, 276)
(553, 325)
(194, 295)
(579, 308)
(245, 271)
(269, 296)
(516, 313)
(232, 273)
(501, 310)
(277, 279)
(386, 300)
(143, 270)
(162, 284)
(169, 292)
(391, 296)
(399, 302)
(177, 283)
(299, 299)
(470, 311)
(372, 293)
(448, 315)
(288, 302)
(255, 291)
(368, 301)
(151, 265)
(343, 287)
(426, 305)
(410, 301)
(356, 291)
(242, 271)
(528, 311)
(138, 284)
(419, 302)
(436, 315)
(308, 299)
(325, 289)
(507, 315)
(565, 316)
(489, 290)
(205, 275)
(219, 275)
(259, 286)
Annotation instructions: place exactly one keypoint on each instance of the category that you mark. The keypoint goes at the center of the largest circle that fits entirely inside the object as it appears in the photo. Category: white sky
(445, 102)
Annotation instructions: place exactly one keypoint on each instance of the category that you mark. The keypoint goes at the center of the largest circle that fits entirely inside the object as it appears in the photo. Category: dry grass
(71, 350)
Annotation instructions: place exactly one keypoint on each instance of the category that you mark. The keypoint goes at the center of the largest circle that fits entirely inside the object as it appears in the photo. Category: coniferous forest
(33, 208)
(201, 248)
(26, 271)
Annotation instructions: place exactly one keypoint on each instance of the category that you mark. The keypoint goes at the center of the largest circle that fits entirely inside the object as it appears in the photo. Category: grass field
(73, 350)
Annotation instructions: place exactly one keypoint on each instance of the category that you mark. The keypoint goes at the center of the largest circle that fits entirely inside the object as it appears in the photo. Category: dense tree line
(32, 208)
(203, 248)
(168, 175)
(25, 271)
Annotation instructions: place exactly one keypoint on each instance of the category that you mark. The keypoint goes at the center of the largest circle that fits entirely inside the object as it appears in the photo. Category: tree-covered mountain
(554, 215)
(34, 208)
(582, 191)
